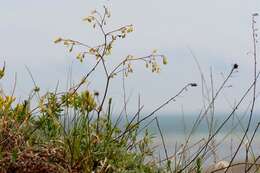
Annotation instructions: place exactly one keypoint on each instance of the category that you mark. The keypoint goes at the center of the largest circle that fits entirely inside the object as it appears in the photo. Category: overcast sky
(217, 31)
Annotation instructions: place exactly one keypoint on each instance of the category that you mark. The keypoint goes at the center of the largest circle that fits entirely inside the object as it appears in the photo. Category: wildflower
(57, 40)
(130, 29)
(80, 57)
(89, 19)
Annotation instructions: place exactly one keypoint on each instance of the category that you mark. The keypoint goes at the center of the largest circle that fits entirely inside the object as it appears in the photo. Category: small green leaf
(14, 155)
(2, 72)
(165, 60)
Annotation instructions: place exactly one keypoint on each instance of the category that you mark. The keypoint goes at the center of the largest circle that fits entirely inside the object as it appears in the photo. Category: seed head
(235, 66)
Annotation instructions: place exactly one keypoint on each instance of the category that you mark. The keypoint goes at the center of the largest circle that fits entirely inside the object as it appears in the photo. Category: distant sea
(176, 128)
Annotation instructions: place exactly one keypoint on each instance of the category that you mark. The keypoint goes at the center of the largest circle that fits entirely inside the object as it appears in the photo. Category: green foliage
(2, 72)
(198, 165)
(84, 150)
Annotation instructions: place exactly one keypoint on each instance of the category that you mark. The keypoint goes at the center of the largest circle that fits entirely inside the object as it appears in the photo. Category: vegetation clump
(72, 131)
